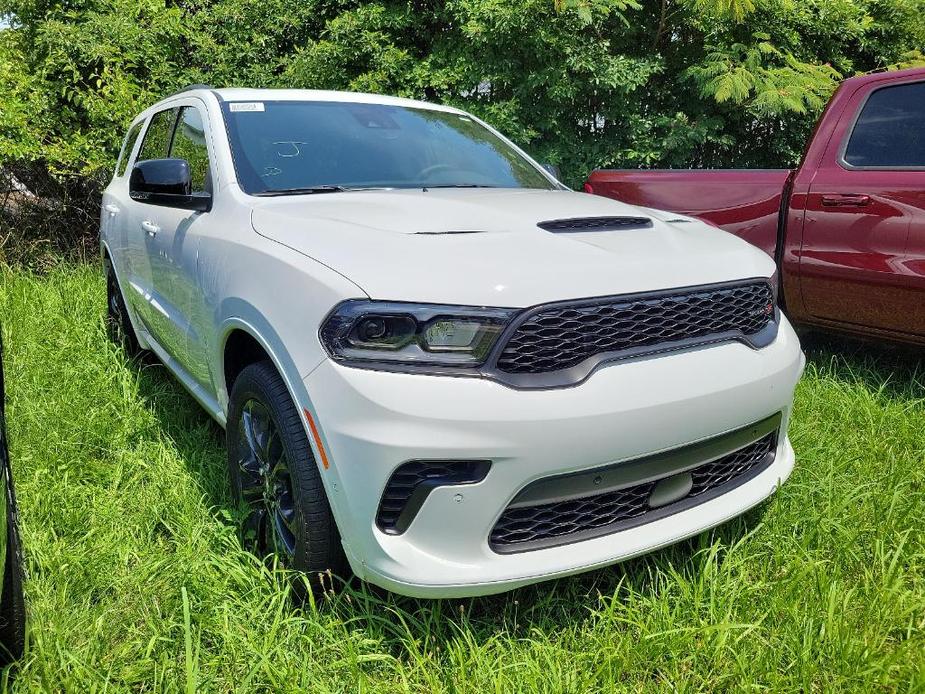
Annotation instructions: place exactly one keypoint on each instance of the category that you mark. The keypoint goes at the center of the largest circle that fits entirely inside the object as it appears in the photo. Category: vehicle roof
(245, 94)
(883, 75)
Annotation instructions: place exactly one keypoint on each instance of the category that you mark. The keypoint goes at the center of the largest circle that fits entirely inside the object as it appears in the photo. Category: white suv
(433, 361)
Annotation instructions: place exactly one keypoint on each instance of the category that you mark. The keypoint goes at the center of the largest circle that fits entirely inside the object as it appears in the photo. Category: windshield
(294, 146)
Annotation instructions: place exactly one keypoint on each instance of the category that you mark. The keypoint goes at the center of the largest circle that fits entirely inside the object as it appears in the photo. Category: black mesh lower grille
(415, 479)
(564, 336)
(547, 525)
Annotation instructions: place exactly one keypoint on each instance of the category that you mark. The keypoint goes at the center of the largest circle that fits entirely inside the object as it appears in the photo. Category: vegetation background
(579, 83)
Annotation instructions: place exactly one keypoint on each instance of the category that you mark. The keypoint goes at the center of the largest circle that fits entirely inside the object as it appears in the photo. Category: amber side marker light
(317, 437)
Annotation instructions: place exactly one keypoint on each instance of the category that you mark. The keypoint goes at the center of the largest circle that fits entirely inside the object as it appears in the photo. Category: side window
(189, 142)
(890, 132)
(157, 137)
(127, 148)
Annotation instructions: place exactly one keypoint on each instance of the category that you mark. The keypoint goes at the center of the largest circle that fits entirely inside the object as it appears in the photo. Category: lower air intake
(524, 528)
(412, 482)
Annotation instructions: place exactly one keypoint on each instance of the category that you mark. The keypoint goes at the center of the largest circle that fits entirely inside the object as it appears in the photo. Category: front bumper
(374, 421)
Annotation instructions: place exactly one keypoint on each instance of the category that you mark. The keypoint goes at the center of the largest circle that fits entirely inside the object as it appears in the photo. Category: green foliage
(579, 83)
(764, 78)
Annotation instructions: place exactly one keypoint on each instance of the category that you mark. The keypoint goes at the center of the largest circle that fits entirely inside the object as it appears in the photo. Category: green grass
(137, 580)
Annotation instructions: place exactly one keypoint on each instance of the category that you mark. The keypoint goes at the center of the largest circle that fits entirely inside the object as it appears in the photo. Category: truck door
(865, 215)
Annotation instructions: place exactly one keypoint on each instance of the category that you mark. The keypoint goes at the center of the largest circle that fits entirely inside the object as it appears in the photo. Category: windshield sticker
(246, 106)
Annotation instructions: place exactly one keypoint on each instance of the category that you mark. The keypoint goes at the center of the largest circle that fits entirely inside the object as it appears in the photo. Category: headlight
(412, 334)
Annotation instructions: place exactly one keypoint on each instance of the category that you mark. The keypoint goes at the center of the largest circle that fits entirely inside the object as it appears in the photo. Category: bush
(579, 83)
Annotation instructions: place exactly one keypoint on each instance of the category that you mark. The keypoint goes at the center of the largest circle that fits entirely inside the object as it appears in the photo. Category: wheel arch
(237, 331)
(244, 341)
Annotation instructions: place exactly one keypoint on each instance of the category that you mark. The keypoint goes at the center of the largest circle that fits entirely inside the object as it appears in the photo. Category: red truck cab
(847, 227)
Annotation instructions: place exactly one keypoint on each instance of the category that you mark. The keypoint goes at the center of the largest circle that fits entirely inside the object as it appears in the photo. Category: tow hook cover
(671, 489)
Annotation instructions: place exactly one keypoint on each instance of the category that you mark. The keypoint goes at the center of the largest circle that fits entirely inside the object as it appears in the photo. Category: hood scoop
(579, 224)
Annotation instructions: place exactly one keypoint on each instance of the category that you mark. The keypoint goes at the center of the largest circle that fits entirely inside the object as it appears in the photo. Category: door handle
(150, 228)
(113, 210)
(845, 200)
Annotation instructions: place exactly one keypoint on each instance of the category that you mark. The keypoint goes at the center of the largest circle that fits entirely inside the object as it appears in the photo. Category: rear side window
(890, 132)
(127, 148)
(157, 137)
(189, 142)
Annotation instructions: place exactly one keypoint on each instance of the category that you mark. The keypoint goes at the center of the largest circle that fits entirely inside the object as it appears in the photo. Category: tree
(579, 83)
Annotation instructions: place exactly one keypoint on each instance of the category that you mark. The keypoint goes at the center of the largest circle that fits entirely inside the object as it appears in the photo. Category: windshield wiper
(307, 190)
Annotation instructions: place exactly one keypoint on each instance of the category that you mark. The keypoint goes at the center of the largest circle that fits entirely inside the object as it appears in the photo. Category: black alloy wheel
(276, 482)
(265, 484)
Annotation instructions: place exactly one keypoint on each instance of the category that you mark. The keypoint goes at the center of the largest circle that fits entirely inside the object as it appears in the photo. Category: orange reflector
(317, 437)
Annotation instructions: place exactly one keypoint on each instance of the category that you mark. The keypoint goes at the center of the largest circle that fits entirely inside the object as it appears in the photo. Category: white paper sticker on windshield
(246, 106)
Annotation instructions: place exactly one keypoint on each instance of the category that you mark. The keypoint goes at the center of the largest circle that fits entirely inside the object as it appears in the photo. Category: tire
(118, 324)
(276, 482)
(12, 601)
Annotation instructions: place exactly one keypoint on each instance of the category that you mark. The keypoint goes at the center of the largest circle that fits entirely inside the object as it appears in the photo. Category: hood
(483, 247)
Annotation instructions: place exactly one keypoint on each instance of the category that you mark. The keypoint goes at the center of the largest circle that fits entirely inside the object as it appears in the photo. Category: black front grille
(411, 483)
(523, 528)
(565, 335)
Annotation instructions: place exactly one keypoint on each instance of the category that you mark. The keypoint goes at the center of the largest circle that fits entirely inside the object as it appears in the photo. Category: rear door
(864, 231)
(112, 218)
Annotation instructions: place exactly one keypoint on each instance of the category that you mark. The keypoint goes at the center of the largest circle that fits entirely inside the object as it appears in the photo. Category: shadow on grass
(898, 371)
(197, 438)
(550, 605)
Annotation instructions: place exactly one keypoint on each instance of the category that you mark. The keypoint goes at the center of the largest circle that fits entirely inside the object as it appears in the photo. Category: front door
(173, 245)
(865, 217)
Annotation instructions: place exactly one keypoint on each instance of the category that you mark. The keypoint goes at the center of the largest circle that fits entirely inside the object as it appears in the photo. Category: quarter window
(890, 132)
(189, 142)
(157, 139)
(127, 148)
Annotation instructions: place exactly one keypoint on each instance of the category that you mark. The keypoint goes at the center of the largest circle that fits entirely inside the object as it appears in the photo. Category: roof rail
(191, 87)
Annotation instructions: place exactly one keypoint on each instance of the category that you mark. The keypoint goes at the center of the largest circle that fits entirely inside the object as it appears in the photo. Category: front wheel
(276, 481)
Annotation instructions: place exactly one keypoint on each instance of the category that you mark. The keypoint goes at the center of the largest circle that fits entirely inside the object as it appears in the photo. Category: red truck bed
(744, 201)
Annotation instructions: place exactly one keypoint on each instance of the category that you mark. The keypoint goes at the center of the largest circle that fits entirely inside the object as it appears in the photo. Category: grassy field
(137, 580)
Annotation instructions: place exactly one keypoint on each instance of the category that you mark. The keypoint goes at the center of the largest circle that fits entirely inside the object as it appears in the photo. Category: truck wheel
(276, 481)
(118, 324)
(12, 603)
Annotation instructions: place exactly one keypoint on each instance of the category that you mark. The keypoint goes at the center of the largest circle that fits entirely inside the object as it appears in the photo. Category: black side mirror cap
(166, 182)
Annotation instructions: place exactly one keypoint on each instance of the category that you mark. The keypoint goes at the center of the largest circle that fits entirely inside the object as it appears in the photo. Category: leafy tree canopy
(579, 83)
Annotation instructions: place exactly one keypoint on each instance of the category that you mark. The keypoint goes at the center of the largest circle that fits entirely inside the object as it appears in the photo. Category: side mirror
(166, 182)
(552, 169)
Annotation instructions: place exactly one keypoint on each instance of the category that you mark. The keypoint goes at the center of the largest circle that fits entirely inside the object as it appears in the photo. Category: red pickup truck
(847, 227)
